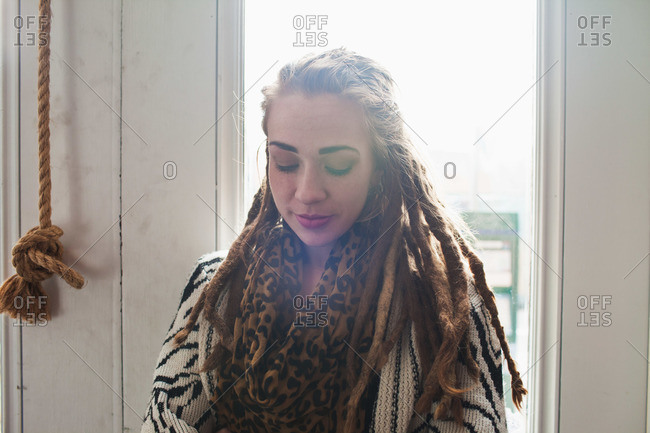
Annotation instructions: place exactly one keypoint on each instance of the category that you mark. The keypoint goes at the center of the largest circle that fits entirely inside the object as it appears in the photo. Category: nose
(310, 188)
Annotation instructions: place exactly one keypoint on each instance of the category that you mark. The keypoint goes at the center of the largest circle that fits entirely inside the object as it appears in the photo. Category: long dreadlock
(421, 246)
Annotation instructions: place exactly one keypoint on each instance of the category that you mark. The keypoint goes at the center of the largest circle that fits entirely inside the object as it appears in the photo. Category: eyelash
(333, 172)
(286, 168)
(338, 172)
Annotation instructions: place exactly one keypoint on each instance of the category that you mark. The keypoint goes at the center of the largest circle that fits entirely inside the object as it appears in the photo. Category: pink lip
(313, 221)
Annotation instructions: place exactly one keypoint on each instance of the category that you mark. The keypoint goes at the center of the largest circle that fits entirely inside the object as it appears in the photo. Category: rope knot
(36, 256)
(31, 249)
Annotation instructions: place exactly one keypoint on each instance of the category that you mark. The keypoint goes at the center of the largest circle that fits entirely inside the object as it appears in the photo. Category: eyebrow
(322, 151)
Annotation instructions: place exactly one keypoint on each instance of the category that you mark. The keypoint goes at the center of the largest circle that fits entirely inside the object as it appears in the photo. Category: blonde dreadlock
(420, 245)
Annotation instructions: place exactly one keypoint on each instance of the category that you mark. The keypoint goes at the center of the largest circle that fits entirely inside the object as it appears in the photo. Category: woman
(352, 300)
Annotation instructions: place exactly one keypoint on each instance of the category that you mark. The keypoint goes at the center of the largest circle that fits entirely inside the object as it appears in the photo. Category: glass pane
(466, 74)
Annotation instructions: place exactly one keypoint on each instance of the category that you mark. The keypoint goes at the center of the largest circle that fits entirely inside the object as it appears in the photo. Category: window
(466, 89)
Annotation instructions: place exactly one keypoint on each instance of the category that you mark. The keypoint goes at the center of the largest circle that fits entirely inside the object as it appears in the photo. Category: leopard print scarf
(287, 372)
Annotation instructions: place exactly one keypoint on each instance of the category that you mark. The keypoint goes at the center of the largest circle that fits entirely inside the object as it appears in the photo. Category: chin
(316, 241)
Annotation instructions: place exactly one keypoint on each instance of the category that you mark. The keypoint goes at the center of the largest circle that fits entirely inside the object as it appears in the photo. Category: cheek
(280, 187)
(354, 192)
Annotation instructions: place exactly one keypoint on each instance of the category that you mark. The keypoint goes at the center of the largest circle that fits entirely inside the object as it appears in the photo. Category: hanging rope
(37, 255)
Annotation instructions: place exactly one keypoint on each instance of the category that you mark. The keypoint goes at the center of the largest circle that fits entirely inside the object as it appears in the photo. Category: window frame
(548, 199)
(229, 124)
(548, 222)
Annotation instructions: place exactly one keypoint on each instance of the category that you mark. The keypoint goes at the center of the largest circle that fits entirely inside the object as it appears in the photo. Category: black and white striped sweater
(180, 398)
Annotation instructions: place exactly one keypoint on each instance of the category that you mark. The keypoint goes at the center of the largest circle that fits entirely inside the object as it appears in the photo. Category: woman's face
(320, 165)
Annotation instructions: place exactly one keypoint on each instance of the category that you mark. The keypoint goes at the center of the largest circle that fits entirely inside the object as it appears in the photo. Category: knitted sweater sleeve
(483, 405)
(178, 402)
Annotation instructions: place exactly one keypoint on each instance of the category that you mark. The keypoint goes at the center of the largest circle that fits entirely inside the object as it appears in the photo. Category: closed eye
(336, 172)
(286, 168)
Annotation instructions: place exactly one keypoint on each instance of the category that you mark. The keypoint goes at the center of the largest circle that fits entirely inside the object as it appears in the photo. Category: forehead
(316, 121)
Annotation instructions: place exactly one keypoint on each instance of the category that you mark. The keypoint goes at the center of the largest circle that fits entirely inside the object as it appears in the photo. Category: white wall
(607, 218)
(168, 96)
(153, 64)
